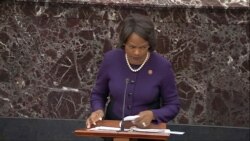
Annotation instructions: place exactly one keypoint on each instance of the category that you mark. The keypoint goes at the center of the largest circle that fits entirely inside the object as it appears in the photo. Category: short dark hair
(141, 25)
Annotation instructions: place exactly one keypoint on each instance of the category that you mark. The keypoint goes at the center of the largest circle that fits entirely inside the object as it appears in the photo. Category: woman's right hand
(94, 117)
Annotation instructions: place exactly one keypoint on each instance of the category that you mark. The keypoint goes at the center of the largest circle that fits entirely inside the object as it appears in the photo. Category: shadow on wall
(20, 129)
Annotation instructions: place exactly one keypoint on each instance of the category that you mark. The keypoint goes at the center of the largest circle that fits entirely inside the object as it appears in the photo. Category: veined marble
(160, 3)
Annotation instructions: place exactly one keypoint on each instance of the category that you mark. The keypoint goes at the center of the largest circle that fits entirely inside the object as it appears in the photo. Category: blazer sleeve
(100, 91)
(170, 103)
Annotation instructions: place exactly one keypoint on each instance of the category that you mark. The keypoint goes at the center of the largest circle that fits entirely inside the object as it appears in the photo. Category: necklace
(136, 70)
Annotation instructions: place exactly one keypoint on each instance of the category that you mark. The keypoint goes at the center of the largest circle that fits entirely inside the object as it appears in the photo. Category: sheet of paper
(107, 128)
(166, 131)
(130, 118)
(150, 130)
(177, 132)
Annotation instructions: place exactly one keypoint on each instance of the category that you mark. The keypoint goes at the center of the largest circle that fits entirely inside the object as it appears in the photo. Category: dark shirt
(151, 88)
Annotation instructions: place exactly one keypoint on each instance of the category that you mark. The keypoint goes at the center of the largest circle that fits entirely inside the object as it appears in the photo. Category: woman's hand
(145, 119)
(94, 117)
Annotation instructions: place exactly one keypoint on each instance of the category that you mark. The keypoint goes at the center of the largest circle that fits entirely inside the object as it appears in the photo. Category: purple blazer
(151, 88)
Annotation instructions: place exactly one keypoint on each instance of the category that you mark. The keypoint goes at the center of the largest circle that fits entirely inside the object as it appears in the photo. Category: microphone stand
(123, 106)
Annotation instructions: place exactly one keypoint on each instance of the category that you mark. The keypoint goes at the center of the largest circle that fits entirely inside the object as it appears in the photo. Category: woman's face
(136, 49)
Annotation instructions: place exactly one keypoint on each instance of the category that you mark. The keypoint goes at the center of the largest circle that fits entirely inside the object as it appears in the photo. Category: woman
(151, 90)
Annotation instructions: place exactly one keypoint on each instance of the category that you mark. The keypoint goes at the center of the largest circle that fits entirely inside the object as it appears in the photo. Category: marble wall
(50, 52)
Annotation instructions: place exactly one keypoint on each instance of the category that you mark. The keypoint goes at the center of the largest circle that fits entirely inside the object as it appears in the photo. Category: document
(135, 129)
(167, 131)
(107, 128)
(131, 118)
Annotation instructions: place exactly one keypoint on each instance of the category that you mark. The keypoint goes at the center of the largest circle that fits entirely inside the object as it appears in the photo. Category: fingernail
(100, 118)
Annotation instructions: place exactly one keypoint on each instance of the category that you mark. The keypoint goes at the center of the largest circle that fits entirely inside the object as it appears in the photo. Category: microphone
(124, 103)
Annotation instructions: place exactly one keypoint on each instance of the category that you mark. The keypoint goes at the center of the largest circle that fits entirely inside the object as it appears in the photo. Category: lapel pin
(150, 72)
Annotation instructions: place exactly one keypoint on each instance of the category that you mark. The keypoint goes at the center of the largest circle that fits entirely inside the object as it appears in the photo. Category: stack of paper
(165, 131)
(131, 118)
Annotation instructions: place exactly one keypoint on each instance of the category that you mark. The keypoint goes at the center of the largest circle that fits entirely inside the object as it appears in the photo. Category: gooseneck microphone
(124, 103)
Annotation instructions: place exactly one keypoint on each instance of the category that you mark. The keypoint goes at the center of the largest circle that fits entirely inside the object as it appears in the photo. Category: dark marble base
(20, 129)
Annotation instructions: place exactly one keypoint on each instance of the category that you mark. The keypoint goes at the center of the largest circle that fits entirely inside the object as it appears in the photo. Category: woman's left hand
(144, 119)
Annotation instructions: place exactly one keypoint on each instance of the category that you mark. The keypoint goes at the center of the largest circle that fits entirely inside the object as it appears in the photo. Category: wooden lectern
(123, 136)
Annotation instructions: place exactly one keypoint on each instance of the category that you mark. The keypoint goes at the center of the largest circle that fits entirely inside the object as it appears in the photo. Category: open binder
(110, 128)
